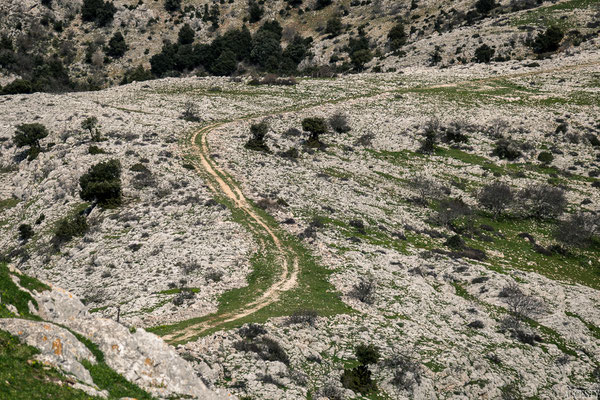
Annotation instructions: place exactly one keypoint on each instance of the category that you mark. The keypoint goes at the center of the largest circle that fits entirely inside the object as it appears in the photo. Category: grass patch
(10, 294)
(8, 203)
(594, 330)
(22, 378)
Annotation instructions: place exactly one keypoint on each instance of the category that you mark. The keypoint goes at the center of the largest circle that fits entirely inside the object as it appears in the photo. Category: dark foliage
(548, 41)
(102, 183)
(367, 354)
(579, 230)
(397, 36)
(255, 11)
(30, 135)
(117, 46)
(186, 35)
(359, 380)
(257, 140)
(364, 291)
(98, 11)
(506, 149)
(25, 232)
(484, 7)
(70, 227)
(315, 126)
(484, 53)
(172, 5)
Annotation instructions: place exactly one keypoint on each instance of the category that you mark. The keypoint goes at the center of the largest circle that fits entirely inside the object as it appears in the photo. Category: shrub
(138, 74)
(30, 135)
(407, 372)
(251, 331)
(91, 124)
(70, 227)
(320, 4)
(506, 149)
(255, 11)
(190, 112)
(484, 54)
(304, 317)
(25, 232)
(397, 36)
(364, 291)
(450, 210)
(267, 349)
(98, 11)
(186, 35)
(18, 86)
(339, 123)
(496, 197)
(542, 201)
(334, 26)
(315, 126)
(426, 189)
(172, 5)
(520, 304)
(578, 230)
(257, 140)
(102, 184)
(454, 133)
(548, 41)
(95, 150)
(359, 380)
(116, 46)
(545, 157)
(430, 134)
(367, 354)
(484, 7)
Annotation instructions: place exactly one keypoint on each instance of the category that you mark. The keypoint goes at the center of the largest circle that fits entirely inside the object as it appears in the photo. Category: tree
(496, 197)
(172, 5)
(98, 11)
(257, 140)
(315, 126)
(320, 4)
(548, 41)
(266, 48)
(91, 124)
(397, 36)
(30, 135)
(361, 57)
(334, 26)
(116, 46)
(484, 54)
(578, 230)
(102, 184)
(25, 232)
(543, 201)
(545, 157)
(485, 6)
(255, 11)
(226, 64)
(186, 35)
(367, 354)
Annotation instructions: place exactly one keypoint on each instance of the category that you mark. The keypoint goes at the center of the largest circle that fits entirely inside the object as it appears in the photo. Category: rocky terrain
(427, 229)
(379, 261)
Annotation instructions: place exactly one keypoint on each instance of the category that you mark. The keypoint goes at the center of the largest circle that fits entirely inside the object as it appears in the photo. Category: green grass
(10, 294)
(8, 203)
(594, 330)
(550, 15)
(22, 378)
(116, 385)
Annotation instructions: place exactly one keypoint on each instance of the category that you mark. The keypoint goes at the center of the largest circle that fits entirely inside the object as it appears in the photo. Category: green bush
(70, 227)
(397, 36)
(548, 41)
(172, 5)
(102, 183)
(30, 135)
(506, 149)
(484, 7)
(315, 127)
(18, 86)
(25, 232)
(484, 54)
(255, 11)
(116, 46)
(545, 157)
(138, 74)
(257, 140)
(334, 26)
(358, 379)
(186, 35)
(367, 354)
(98, 11)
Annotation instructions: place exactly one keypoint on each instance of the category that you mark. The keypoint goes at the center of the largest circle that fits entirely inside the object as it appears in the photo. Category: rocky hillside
(426, 234)
(54, 45)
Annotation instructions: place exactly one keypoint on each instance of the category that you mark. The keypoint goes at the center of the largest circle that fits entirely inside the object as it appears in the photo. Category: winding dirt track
(287, 258)
(221, 184)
